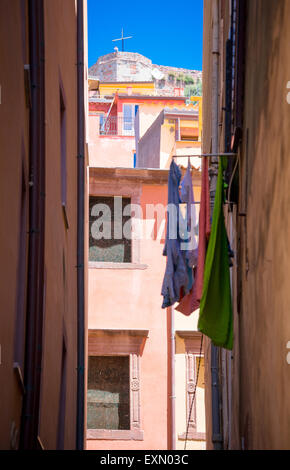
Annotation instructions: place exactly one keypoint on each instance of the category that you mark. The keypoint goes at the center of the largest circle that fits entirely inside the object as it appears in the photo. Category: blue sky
(167, 32)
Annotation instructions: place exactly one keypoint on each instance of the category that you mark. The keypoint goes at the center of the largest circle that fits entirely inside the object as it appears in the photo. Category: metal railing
(117, 125)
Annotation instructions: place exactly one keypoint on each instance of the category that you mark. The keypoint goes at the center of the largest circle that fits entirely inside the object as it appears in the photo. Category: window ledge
(192, 436)
(119, 434)
(115, 136)
(106, 265)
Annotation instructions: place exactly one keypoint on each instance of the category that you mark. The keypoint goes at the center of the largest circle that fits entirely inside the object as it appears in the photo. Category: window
(102, 123)
(128, 119)
(114, 384)
(108, 396)
(118, 250)
(193, 362)
(110, 229)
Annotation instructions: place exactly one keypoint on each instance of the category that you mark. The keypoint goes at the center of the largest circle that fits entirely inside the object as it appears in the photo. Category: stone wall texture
(133, 67)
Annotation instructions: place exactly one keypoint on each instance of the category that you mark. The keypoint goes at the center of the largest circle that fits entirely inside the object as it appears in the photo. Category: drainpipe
(35, 274)
(227, 355)
(216, 424)
(215, 98)
(171, 439)
(80, 228)
(172, 344)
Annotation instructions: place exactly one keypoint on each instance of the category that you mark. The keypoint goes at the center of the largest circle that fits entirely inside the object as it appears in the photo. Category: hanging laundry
(176, 276)
(189, 239)
(216, 317)
(191, 301)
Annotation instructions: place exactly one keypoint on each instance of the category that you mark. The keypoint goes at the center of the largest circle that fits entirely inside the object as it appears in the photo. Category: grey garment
(187, 198)
(176, 274)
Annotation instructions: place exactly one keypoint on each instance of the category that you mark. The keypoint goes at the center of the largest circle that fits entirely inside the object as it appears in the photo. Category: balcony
(117, 125)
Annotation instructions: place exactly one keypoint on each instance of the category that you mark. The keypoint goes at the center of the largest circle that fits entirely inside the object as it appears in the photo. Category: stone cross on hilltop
(122, 39)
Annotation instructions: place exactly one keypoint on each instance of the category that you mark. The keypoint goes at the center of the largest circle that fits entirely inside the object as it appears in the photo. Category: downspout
(216, 424)
(227, 355)
(171, 438)
(35, 275)
(215, 98)
(80, 228)
(172, 344)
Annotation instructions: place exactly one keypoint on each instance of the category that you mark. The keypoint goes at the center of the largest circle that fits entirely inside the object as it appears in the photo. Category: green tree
(188, 80)
(194, 89)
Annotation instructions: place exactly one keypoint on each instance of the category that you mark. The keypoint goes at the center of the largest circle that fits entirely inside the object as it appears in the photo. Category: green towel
(216, 316)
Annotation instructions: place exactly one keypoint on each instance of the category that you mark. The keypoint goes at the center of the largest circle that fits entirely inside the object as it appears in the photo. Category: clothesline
(206, 155)
(198, 276)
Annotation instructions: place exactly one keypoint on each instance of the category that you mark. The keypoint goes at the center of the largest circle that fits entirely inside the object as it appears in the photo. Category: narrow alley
(144, 228)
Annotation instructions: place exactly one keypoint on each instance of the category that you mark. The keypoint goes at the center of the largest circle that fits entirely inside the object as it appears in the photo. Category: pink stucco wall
(109, 151)
(130, 299)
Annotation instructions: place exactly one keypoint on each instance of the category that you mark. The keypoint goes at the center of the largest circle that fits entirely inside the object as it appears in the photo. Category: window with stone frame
(109, 229)
(108, 395)
(114, 384)
(194, 359)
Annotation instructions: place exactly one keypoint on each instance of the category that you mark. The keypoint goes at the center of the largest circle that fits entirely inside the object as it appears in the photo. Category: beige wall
(61, 291)
(150, 111)
(14, 118)
(169, 147)
(167, 144)
(60, 283)
(265, 253)
(259, 411)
